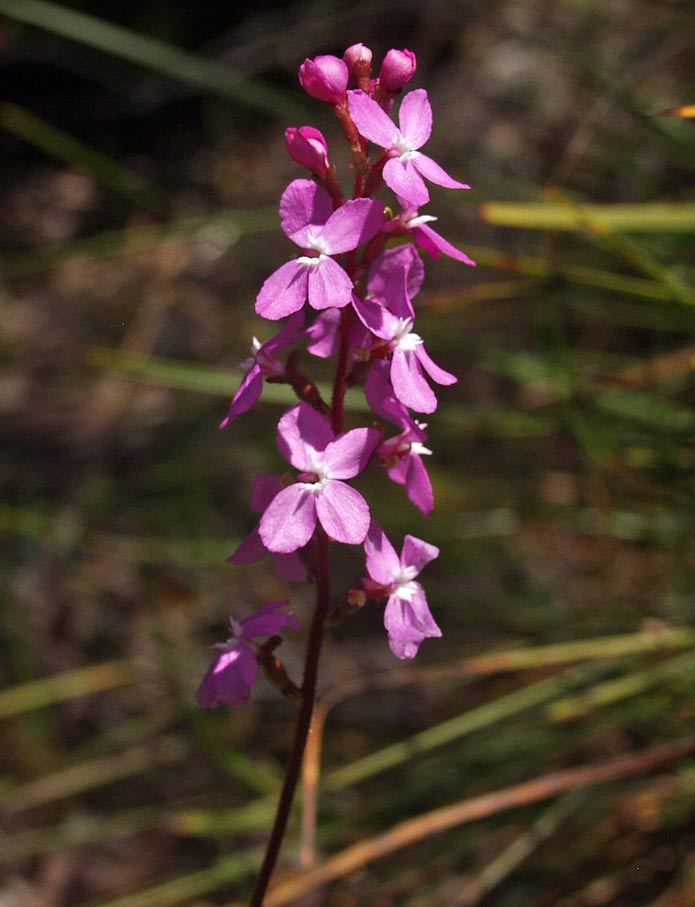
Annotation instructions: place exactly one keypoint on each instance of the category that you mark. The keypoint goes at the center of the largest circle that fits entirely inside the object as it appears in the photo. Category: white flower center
(404, 338)
(404, 148)
(317, 243)
(404, 583)
(417, 448)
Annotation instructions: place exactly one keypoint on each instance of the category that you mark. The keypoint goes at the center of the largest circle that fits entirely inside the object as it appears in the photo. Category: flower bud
(359, 62)
(324, 78)
(307, 147)
(397, 69)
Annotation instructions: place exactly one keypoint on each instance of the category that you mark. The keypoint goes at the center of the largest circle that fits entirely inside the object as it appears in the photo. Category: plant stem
(302, 724)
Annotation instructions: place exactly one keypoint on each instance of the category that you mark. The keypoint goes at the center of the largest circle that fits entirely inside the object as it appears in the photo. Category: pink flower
(397, 69)
(290, 566)
(407, 166)
(409, 359)
(307, 440)
(425, 237)
(263, 364)
(234, 669)
(308, 147)
(308, 219)
(407, 617)
(324, 78)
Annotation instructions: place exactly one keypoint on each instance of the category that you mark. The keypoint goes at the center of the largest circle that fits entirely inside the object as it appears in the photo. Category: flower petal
(284, 292)
(304, 205)
(324, 334)
(349, 454)
(382, 561)
(329, 285)
(249, 391)
(435, 174)
(437, 374)
(415, 117)
(343, 512)
(270, 619)
(249, 551)
(395, 260)
(302, 434)
(229, 678)
(434, 243)
(411, 472)
(371, 121)
(408, 623)
(290, 519)
(406, 182)
(352, 225)
(417, 553)
(409, 384)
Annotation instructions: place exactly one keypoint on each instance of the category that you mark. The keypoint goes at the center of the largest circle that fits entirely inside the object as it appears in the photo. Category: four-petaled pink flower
(234, 669)
(307, 440)
(263, 364)
(407, 616)
(404, 170)
(308, 219)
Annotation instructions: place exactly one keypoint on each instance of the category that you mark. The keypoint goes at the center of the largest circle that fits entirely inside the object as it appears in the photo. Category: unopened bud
(307, 147)
(397, 69)
(325, 78)
(359, 63)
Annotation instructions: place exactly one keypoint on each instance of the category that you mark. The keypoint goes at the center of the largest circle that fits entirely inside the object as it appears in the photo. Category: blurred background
(143, 160)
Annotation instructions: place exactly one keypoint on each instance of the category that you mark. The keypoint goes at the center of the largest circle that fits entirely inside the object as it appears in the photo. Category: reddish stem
(302, 723)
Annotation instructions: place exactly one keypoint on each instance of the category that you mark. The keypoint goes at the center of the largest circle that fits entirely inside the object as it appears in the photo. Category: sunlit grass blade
(655, 217)
(60, 145)
(455, 728)
(70, 684)
(91, 774)
(632, 684)
(183, 889)
(209, 75)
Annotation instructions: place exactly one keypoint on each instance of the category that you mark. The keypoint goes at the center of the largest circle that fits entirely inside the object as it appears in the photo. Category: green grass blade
(211, 76)
(59, 144)
(657, 217)
(68, 685)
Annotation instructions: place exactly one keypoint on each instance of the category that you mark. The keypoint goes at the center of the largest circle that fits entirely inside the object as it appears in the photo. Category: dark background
(139, 219)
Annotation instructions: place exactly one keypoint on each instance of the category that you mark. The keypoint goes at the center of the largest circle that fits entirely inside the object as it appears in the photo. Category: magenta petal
(352, 225)
(290, 519)
(229, 678)
(408, 623)
(304, 205)
(417, 553)
(290, 567)
(264, 490)
(284, 292)
(249, 391)
(343, 512)
(302, 433)
(406, 182)
(375, 317)
(349, 454)
(395, 261)
(251, 550)
(324, 334)
(270, 619)
(434, 243)
(435, 174)
(411, 472)
(371, 121)
(415, 117)
(433, 370)
(382, 561)
(329, 285)
(409, 384)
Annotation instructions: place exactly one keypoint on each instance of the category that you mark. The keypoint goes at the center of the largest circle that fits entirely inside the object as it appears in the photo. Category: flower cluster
(349, 296)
